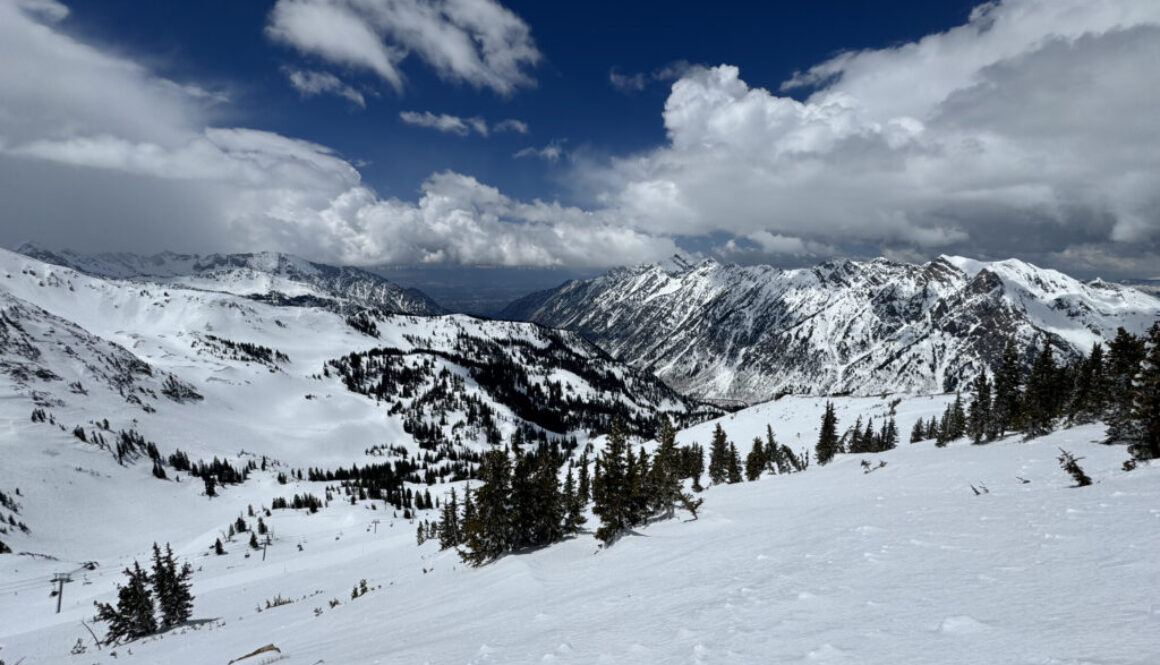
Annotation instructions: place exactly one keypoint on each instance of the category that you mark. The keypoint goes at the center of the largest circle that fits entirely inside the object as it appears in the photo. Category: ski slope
(905, 564)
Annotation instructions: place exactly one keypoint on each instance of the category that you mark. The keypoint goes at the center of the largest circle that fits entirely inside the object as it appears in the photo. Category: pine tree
(1125, 353)
(827, 445)
(857, 442)
(172, 587)
(1008, 379)
(1090, 395)
(667, 492)
(979, 414)
(468, 513)
(610, 493)
(218, 549)
(773, 457)
(574, 516)
(1070, 464)
(755, 461)
(583, 490)
(550, 507)
(918, 432)
(734, 474)
(449, 523)
(958, 424)
(866, 439)
(719, 457)
(1143, 427)
(1040, 397)
(889, 436)
(132, 618)
(524, 498)
(488, 533)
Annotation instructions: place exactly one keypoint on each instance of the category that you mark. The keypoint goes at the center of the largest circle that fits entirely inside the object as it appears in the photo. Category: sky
(586, 135)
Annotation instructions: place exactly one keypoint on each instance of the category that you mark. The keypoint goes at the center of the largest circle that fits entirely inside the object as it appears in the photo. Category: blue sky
(586, 135)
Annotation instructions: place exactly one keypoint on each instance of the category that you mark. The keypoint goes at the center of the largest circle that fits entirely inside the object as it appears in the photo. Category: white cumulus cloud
(1028, 130)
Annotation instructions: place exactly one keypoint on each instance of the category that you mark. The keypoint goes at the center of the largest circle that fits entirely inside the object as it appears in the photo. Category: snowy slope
(749, 333)
(87, 350)
(905, 564)
(263, 274)
(902, 565)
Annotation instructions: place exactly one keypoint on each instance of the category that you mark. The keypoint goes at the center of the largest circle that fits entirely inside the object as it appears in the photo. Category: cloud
(448, 124)
(1029, 130)
(460, 220)
(452, 124)
(549, 153)
(511, 125)
(477, 42)
(625, 82)
(98, 153)
(630, 83)
(310, 83)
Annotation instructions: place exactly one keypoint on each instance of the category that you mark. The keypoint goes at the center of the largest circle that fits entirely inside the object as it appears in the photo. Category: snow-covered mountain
(282, 278)
(835, 564)
(749, 333)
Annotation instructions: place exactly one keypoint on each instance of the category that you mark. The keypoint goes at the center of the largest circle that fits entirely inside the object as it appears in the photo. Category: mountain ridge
(253, 274)
(751, 332)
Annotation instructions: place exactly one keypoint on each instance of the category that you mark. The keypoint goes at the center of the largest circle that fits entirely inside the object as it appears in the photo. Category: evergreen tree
(734, 475)
(449, 535)
(218, 549)
(524, 496)
(755, 461)
(1143, 428)
(1124, 355)
(773, 457)
(132, 618)
(550, 507)
(172, 587)
(1040, 397)
(719, 457)
(1090, 394)
(958, 418)
(583, 490)
(574, 517)
(488, 533)
(857, 441)
(610, 493)
(1008, 379)
(889, 436)
(468, 513)
(667, 491)
(867, 442)
(827, 445)
(979, 414)
(918, 432)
